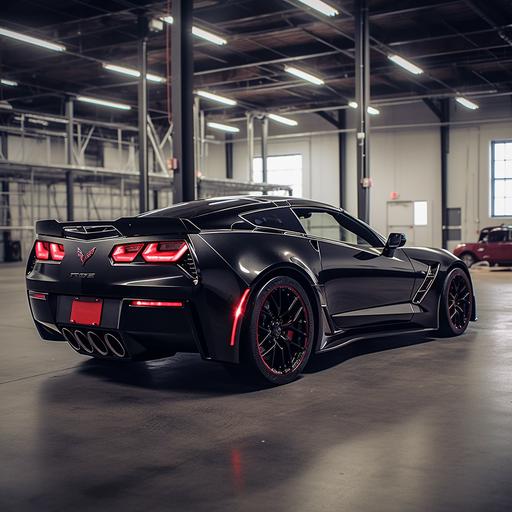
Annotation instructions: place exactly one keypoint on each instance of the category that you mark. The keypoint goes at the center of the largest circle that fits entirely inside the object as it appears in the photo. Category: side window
(277, 218)
(337, 227)
(499, 235)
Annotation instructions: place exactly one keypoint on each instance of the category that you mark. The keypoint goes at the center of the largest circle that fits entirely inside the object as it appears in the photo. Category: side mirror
(394, 241)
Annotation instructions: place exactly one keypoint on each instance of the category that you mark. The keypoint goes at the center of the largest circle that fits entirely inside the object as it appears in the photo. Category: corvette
(258, 283)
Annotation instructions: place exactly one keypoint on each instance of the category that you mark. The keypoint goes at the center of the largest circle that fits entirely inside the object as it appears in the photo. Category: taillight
(164, 252)
(126, 253)
(56, 251)
(49, 251)
(42, 250)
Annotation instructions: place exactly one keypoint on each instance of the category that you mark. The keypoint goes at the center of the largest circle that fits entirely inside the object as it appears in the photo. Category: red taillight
(126, 253)
(164, 252)
(239, 311)
(36, 295)
(155, 304)
(42, 250)
(56, 251)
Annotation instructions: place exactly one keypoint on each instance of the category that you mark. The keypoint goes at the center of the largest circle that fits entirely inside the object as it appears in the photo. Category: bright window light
(199, 32)
(353, 104)
(216, 97)
(281, 170)
(10, 83)
(223, 127)
(407, 65)
(420, 213)
(305, 76)
(283, 120)
(32, 40)
(103, 103)
(466, 103)
(320, 6)
(132, 72)
(373, 111)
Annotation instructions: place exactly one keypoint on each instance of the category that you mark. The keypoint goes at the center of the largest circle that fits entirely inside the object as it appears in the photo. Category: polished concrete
(397, 424)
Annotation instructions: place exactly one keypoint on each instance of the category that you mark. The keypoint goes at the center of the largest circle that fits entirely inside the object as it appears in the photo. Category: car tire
(468, 258)
(279, 331)
(456, 304)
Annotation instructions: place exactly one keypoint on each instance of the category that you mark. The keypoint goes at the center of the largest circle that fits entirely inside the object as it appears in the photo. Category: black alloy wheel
(457, 303)
(281, 330)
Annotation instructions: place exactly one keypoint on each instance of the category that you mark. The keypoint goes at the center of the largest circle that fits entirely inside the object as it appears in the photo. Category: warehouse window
(501, 178)
(281, 170)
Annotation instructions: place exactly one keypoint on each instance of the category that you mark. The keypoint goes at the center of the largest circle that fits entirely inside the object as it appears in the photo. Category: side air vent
(187, 264)
(85, 232)
(426, 284)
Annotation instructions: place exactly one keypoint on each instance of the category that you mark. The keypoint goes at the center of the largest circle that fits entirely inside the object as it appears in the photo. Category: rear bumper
(145, 332)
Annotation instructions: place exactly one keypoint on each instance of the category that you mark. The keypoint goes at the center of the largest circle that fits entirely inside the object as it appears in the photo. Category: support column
(182, 61)
(70, 178)
(264, 149)
(5, 199)
(362, 54)
(143, 117)
(250, 145)
(229, 156)
(445, 150)
(342, 152)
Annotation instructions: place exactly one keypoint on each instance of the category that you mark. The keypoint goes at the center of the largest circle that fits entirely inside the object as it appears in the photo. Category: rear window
(277, 218)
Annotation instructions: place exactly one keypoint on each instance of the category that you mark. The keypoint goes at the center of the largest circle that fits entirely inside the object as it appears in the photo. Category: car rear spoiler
(125, 226)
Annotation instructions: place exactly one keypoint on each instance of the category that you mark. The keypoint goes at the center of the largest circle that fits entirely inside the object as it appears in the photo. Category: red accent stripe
(155, 304)
(239, 311)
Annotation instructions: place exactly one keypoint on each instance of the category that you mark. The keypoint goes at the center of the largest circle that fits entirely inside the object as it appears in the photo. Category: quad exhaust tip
(93, 343)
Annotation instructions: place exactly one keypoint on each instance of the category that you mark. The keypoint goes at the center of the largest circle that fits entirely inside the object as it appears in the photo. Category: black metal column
(143, 117)
(182, 62)
(362, 53)
(264, 149)
(70, 178)
(229, 155)
(342, 151)
(445, 150)
(5, 218)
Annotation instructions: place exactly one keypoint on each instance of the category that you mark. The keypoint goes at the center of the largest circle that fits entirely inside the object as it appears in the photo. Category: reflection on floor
(393, 424)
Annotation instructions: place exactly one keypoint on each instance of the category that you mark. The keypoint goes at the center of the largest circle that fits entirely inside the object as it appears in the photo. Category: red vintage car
(494, 245)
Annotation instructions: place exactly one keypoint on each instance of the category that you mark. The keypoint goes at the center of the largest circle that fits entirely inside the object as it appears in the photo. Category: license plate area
(86, 311)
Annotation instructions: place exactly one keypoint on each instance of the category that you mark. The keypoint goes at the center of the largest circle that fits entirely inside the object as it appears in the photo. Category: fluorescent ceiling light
(10, 83)
(320, 6)
(305, 76)
(199, 32)
(32, 40)
(216, 97)
(352, 104)
(223, 127)
(33, 120)
(407, 65)
(103, 103)
(466, 103)
(373, 111)
(283, 120)
(132, 72)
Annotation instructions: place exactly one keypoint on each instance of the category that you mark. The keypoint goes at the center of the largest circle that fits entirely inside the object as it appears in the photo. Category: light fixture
(216, 97)
(132, 72)
(305, 76)
(466, 103)
(283, 120)
(103, 103)
(33, 120)
(10, 83)
(352, 104)
(407, 65)
(373, 111)
(199, 32)
(32, 40)
(320, 6)
(223, 127)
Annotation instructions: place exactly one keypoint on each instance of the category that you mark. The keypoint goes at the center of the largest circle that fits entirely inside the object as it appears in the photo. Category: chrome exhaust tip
(70, 338)
(84, 342)
(115, 345)
(97, 343)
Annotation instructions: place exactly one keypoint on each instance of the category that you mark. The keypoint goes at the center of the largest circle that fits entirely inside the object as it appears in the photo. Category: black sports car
(257, 281)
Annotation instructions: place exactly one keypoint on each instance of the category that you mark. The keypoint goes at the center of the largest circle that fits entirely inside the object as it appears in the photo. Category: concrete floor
(398, 424)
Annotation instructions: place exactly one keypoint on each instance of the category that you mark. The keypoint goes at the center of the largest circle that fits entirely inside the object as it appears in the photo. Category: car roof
(233, 204)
